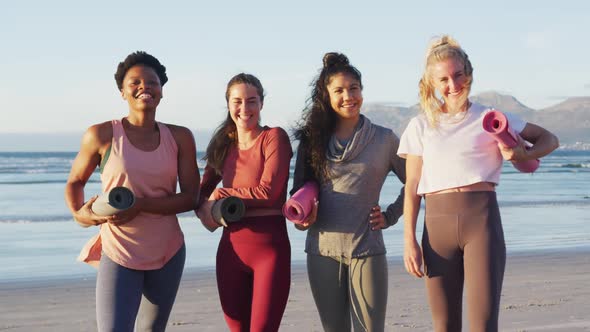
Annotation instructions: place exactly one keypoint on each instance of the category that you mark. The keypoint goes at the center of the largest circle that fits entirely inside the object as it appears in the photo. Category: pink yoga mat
(300, 205)
(496, 124)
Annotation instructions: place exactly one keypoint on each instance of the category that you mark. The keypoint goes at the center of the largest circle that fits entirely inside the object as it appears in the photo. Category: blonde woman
(455, 166)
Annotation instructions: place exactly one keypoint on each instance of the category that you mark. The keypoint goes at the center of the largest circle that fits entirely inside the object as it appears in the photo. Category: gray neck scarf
(363, 133)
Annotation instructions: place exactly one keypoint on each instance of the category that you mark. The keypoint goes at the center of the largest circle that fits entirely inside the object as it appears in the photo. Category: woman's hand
(517, 153)
(413, 258)
(126, 216)
(377, 219)
(311, 218)
(204, 214)
(85, 217)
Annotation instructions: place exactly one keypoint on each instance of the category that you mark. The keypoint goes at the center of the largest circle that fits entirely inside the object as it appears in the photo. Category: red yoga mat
(300, 205)
(496, 124)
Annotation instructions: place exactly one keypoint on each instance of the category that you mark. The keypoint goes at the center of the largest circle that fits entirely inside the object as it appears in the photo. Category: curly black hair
(319, 119)
(140, 58)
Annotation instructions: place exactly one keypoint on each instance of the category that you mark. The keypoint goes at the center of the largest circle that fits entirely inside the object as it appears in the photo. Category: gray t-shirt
(358, 172)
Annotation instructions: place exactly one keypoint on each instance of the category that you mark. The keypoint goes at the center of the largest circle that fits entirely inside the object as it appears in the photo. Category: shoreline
(295, 264)
(543, 291)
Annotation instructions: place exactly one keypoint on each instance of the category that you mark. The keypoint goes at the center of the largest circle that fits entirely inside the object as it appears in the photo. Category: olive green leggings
(345, 292)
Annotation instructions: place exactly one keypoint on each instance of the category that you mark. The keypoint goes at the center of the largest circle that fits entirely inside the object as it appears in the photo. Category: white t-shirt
(456, 153)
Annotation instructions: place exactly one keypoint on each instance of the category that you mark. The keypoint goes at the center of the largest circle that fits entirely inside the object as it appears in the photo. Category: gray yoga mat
(115, 200)
(228, 210)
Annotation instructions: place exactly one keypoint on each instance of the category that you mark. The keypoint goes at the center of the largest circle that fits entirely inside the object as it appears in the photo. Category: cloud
(587, 86)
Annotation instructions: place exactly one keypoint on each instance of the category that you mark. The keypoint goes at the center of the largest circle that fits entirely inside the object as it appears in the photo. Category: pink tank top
(149, 240)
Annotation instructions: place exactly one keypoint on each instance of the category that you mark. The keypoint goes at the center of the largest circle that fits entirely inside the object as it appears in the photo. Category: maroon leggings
(254, 273)
(463, 241)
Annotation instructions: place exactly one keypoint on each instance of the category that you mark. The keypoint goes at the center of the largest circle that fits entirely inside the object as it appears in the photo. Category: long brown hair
(226, 134)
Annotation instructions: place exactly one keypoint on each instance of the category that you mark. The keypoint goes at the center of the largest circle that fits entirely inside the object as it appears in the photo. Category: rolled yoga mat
(228, 210)
(115, 200)
(300, 205)
(496, 124)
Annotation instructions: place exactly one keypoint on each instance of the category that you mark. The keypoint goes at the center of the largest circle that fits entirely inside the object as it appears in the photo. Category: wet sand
(543, 291)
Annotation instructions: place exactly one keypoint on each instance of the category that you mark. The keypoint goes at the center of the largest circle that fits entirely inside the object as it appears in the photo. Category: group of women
(443, 156)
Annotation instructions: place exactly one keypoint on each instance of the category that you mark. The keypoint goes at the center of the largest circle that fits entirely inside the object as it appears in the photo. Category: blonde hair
(441, 48)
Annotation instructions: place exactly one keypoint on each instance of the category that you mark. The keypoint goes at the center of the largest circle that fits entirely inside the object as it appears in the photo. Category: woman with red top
(254, 254)
(141, 250)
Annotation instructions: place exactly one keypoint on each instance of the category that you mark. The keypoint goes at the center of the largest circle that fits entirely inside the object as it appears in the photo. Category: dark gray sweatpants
(354, 292)
(120, 290)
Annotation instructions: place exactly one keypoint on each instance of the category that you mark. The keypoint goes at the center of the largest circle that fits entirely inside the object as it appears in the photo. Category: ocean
(547, 210)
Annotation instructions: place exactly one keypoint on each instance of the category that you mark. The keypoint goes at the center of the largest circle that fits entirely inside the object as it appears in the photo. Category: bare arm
(544, 142)
(94, 143)
(412, 252)
(395, 209)
(209, 183)
(203, 210)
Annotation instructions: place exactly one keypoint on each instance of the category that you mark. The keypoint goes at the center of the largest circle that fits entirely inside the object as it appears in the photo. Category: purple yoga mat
(300, 205)
(496, 124)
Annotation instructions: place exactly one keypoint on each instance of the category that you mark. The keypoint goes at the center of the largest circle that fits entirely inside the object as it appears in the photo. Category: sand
(543, 291)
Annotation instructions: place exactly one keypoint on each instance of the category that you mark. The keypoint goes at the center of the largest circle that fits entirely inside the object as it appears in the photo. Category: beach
(546, 220)
(543, 291)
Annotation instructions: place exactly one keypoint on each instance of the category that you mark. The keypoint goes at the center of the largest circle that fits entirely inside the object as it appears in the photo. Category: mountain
(569, 120)
(571, 104)
(394, 117)
(502, 102)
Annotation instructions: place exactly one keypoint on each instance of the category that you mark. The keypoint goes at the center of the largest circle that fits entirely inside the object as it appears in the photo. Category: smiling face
(244, 106)
(346, 96)
(450, 81)
(142, 88)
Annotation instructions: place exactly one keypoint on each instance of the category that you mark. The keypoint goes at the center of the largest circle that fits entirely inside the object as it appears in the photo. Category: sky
(57, 58)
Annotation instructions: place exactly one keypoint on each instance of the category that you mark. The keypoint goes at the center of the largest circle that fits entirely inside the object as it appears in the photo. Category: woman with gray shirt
(350, 158)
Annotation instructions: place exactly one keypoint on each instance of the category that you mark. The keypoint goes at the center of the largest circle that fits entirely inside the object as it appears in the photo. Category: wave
(34, 170)
(576, 165)
(582, 203)
(554, 168)
(12, 219)
(23, 219)
(44, 169)
(61, 181)
(565, 168)
(541, 172)
(48, 163)
(34, 219)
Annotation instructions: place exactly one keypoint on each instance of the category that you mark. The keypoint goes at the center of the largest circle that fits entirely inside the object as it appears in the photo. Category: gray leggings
(343, 291)
(463, 241)
(119, 293)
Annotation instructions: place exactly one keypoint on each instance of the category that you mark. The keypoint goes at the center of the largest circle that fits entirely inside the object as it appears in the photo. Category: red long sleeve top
(258, 175)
